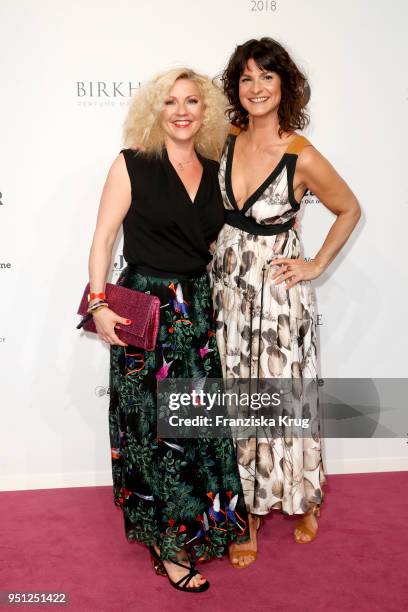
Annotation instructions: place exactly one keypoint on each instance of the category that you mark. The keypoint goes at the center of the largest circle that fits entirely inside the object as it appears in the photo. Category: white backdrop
(57, 147)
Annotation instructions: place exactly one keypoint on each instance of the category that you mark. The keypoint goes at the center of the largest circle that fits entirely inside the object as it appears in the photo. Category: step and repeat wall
(68, 73)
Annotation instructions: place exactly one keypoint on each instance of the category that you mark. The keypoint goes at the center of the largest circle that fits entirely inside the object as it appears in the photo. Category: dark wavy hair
(268, 54)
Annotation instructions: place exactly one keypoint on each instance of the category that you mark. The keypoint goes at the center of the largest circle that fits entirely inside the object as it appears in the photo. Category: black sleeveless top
(163, 229)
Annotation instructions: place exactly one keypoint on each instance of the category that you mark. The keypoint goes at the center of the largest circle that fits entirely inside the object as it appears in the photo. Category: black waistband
(248, 224)
(147, 271)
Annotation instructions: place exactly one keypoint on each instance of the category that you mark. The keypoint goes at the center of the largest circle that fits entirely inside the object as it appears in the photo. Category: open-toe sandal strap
(187, 567)
(186, 579)
(244, 553)
(306, 531)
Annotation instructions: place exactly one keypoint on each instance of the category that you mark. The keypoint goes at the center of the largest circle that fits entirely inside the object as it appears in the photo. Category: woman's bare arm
(114, 204)
(317, 174)
(333, 192)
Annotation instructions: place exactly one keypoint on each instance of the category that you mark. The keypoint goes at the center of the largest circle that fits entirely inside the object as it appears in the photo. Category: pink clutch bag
(141, 308)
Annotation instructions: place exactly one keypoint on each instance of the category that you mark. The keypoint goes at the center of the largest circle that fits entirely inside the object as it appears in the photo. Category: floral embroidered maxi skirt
(178, 493)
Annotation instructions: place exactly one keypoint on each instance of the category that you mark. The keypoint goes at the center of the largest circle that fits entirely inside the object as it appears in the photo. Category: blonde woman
(176, 496)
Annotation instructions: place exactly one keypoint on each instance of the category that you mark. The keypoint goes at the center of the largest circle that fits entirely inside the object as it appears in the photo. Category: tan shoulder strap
(295, 147)
(298, 144)
(233, 129)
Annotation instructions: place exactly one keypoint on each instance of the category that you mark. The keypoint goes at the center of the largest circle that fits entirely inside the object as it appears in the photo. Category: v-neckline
(259, 190)
(183, 187)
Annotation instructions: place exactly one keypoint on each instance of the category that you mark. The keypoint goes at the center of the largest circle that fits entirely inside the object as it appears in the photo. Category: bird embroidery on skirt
(203, 529)
(215, 512)
(177, 301)
(232, 515)
(164, 370)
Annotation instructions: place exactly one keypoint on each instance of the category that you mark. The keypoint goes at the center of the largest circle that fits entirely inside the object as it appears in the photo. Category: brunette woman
(265, 310)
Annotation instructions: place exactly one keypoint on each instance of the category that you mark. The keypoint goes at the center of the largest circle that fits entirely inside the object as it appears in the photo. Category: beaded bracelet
(92, 295)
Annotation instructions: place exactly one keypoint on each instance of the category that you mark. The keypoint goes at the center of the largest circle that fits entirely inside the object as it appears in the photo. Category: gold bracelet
(98, 308)
(99, 303)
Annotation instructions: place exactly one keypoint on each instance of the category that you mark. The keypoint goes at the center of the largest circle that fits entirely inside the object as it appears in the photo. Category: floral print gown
(178, 493)
(265, 331)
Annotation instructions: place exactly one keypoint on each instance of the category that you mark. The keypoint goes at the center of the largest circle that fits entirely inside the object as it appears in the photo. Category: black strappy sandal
(180, 585)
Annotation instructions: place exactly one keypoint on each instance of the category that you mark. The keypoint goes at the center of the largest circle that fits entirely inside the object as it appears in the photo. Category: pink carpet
(73, 540)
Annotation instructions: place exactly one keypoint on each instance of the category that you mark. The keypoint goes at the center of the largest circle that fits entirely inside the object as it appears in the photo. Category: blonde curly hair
(142, 125)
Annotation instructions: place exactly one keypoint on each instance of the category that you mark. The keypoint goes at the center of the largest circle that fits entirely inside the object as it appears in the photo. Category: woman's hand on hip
(105, 321)
(292, 271)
